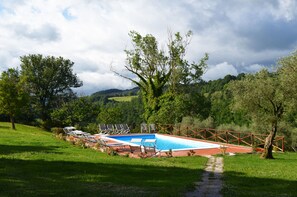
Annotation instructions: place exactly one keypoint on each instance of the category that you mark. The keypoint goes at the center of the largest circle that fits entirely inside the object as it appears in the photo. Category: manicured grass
(34, 163)
(248, 175)
(122, 98)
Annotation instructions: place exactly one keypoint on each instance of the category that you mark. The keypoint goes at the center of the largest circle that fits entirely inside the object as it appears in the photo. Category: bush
(57, 131)
(294, 139)
(234, 127)
(207, 123)
(91, 128)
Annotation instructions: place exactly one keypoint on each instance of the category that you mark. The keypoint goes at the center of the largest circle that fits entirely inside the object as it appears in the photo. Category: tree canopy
(49, 79)
(263, 97)
(13, 96)
(157, 70)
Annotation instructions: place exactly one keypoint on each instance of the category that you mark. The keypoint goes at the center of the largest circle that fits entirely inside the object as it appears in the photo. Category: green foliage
(261, 95)
(57, 130)
(81, 111)
(222, 112)
(13, 95)
(50, 80)
(122, 112)
(197, 123)
(234, 127)
(206, 123)
(288, 74)
(110, 115)
(294, 139)
(155, 69)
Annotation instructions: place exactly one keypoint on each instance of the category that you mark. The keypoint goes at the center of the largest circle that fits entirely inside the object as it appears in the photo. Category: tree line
(171, 91)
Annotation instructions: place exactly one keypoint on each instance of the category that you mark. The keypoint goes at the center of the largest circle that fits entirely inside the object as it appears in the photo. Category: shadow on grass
(61, 178)
(238, 184)
(10, 149)
(4, 127)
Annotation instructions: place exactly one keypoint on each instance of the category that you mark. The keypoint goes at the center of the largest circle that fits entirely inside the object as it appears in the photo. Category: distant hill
(114, 93)
(204, 87)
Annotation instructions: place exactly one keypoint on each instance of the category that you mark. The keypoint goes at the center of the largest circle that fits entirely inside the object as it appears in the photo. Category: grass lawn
(123, 98)
(248, 175)
(34, 163)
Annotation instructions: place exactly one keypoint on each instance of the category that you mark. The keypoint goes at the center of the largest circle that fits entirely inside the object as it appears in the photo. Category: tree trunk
(12, 122)
(268, 147)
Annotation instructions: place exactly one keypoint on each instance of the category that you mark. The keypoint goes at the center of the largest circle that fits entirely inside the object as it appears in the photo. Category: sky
(239, 36)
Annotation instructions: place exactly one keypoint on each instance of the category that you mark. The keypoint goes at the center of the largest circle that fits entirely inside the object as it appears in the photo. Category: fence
(229, 137)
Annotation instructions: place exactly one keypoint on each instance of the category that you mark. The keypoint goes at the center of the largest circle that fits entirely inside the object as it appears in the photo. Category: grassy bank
(248, 175)
(34, 163)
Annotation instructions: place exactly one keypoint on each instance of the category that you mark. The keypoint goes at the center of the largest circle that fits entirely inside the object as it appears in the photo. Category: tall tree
(263, 97)
(155, 69)
(49, 79)
(13, 96)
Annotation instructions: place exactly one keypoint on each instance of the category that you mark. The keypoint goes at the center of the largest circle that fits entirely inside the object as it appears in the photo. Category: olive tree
(262, 96)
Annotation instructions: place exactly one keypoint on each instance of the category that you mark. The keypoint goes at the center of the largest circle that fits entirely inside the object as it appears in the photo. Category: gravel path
(211, 183)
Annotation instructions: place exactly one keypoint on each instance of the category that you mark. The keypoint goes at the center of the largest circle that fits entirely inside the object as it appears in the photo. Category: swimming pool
(164, 142)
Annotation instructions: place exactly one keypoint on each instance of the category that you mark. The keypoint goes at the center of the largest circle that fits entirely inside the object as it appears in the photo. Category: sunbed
(135, 145)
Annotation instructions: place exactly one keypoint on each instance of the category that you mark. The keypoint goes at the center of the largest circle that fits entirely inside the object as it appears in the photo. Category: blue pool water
(165, 143)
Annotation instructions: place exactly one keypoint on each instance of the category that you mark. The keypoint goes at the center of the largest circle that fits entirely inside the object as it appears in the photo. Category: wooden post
(238, 138)
(227, 139)
(205, 134)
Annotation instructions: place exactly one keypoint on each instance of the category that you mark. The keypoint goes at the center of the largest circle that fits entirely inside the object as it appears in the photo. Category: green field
(34, 163)
(122, 98)
(248, 175)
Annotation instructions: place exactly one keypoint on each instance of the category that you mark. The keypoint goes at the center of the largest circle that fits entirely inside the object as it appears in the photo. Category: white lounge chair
(103, 129)
(143, 128)
(104, 143)
(136, 146)
(68, 130)
(152, 128)
(125, 128)
(150, 145)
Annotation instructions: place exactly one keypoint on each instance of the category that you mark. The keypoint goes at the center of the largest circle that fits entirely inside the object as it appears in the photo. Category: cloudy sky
(239, 36)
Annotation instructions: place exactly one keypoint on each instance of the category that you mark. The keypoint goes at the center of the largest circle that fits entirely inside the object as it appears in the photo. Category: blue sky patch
(67, 14)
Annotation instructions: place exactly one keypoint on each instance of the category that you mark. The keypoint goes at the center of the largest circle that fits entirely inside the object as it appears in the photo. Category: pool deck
(223, 149)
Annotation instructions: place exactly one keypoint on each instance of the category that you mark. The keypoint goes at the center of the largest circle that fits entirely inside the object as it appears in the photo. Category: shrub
(91, 128)
(57, 131)
(207, 123)
(233, 127)
(80, 142)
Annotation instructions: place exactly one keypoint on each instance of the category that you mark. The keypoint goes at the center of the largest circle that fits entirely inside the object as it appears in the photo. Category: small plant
(112, 152)
(143, 155)
(191, 153)
(223, 149)
(81, 143)
(169, 153)
(61, 136)
(57, 131)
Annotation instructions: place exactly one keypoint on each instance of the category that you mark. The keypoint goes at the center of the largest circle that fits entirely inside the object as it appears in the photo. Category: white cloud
(219, 71)
(98, 81)
(94, 34)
